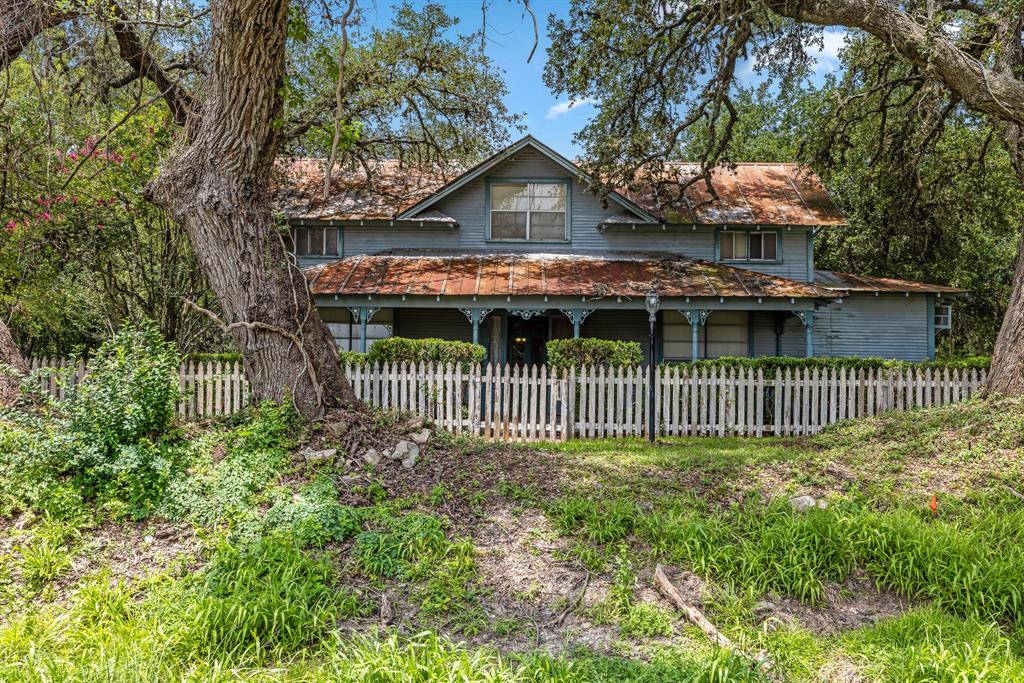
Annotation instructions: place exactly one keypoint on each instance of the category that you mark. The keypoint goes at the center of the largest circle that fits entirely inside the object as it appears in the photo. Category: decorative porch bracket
(576, 316)
(475, 316)
(696, 318)
(525, 313)
(363, 315)
(807, 318)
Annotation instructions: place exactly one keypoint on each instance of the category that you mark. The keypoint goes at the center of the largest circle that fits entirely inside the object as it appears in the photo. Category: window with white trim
(943, 316)
(739, 245)
(309, 241)
(528, 211)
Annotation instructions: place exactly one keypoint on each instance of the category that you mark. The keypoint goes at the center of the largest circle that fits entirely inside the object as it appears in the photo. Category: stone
(804, 503)
(406, 451)
(314, 457)
(422, 436)
(413, 423)
(339, 427)
(372, 457)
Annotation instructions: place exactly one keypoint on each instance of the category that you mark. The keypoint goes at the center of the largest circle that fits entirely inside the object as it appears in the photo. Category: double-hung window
(737, 245)
(315, 241)
(943, 316)
(528, 211)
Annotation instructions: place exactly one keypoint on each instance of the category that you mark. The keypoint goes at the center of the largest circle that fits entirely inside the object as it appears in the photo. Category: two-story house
(516, 251)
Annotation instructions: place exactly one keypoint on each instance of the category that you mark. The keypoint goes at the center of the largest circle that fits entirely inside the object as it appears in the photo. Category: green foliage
(584, 351)
(108, 441)
(227, 488)
(400, 542)
(928, 646)
(268, 598)
(772, 364)
(402, 350)
(314, 516)
(971, 564)
(635, 619)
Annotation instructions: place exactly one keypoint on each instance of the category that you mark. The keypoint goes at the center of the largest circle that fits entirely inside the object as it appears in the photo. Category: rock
(314, 457)
(339, 427)
(412, 424)
(422, 436)
(804, 503)
(763, 608)
(147, 538)
(372, 457)
(406, 451)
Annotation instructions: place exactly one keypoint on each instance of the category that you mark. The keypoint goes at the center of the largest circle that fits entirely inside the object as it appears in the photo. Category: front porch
(519, 335)
(514, 303)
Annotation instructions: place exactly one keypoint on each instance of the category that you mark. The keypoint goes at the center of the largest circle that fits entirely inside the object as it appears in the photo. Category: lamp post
(652, 302)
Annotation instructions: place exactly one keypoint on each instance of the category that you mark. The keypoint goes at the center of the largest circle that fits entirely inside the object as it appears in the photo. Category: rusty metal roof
(399, 273)
(867, 283)
(390, 188)
(748, 193)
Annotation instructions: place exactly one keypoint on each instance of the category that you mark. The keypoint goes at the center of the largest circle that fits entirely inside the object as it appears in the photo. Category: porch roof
(869, 283)
(424, 273)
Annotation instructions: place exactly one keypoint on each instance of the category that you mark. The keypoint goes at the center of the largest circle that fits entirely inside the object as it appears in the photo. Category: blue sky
(554, 120)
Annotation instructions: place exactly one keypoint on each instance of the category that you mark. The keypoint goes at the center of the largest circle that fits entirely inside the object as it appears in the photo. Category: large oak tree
(244, 80)
(658, 70)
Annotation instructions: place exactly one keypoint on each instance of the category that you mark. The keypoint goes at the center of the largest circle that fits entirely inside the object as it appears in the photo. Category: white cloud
(562, 108)
(826, 58)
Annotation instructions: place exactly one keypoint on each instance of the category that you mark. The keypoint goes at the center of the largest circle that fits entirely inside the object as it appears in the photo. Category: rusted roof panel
(748, 194)
(619, 275)
(868, 283)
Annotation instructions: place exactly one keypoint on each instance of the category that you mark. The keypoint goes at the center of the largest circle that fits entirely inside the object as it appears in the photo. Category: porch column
(576, 316)
(475, 315)
(363, 315)
(807, 318)
(696, 318)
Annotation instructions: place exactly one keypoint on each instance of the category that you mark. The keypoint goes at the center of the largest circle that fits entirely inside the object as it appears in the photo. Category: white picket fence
(516, 403)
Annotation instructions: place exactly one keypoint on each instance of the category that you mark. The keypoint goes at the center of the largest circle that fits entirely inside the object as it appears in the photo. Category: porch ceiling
(420, 273)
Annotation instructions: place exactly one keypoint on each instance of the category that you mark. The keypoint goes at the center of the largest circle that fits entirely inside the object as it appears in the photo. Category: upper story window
(528, 211)
(943, 316)
(736, 245)
(315, 241)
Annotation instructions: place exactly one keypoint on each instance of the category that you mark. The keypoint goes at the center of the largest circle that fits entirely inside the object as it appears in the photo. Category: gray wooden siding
(623, 325)
(467, 206)
(886, 326)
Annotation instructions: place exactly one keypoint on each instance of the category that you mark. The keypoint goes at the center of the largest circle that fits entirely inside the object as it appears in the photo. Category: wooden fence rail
(532, 403)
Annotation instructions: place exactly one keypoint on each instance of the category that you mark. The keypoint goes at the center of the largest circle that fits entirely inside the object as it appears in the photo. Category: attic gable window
(528, 211)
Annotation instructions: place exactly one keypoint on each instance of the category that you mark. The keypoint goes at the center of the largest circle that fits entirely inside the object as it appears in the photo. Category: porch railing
(516, 403)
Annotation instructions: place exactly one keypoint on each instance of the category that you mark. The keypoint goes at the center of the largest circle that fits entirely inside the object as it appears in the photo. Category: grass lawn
(492, 562)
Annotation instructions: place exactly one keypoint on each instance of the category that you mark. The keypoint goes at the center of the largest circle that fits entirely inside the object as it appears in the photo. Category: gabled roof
(868, 283)
(510, 151)
(391, 190)
(437, 274)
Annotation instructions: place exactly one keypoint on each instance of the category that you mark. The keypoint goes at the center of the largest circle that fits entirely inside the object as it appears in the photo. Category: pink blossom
(11, 225)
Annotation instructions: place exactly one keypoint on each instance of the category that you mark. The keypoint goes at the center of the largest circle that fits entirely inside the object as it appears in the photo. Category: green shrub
(772, 364)
(402, 350)
(130, 390)
(109, 442)
(574, 353)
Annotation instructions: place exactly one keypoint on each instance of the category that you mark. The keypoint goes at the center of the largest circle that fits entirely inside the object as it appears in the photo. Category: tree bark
(218, 186)
(22, 20)
(12, 367)
(1007, 373)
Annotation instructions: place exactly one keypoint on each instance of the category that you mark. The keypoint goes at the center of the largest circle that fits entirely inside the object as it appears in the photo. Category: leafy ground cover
(217, 553)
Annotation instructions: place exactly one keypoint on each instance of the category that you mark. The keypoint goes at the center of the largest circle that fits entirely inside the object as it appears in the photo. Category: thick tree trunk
(1007, 373)
(218, 187)
(12, 367)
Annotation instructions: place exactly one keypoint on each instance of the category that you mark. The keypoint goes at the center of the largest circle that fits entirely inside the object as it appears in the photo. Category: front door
(527, 340)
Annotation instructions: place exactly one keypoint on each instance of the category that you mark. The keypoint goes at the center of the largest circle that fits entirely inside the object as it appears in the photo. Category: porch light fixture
(652, 302)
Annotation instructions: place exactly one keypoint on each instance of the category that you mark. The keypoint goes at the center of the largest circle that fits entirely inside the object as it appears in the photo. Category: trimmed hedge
(403, 350)
(770, 364)
(609, 353)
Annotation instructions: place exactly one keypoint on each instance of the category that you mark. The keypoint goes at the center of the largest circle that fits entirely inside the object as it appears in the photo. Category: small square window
(943, 316)
(763, 246)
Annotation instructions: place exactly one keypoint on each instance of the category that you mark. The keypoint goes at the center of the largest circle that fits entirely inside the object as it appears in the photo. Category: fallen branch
(668, 589)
